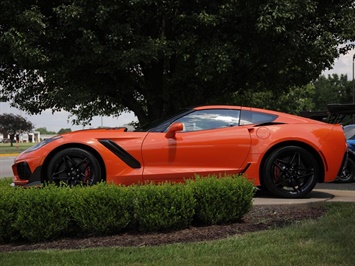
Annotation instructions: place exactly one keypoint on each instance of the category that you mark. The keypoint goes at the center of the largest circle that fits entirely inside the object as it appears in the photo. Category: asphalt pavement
(6, 161)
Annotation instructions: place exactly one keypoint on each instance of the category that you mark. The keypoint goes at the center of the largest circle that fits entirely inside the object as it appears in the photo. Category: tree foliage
(11, 124)
(44, 131)
(332, 89)
(292, 101)
(64, 130)
(153, 57)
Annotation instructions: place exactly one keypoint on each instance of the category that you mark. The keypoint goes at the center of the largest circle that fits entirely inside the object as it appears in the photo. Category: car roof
(237, 107)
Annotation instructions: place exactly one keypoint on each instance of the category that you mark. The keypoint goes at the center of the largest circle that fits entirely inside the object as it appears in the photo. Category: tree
(11, 124)
(44, 131)
(64, 130)
(293, 101)
(153, 57)
(331, 89)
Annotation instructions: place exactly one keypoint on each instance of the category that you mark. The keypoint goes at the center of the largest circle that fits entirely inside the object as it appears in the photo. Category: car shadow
(318, 195)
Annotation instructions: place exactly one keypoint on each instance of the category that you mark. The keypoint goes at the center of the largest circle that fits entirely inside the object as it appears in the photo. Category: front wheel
(74, 166)
(290, 172)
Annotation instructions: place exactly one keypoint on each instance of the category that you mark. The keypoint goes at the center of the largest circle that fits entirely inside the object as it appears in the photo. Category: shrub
(221, 200)
(5, 183)
(163, 207)
(8, 213)
(103, 208)
(43, 213)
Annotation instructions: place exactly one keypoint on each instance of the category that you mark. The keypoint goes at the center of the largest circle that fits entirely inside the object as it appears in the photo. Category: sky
(55, 122)
(343, 65)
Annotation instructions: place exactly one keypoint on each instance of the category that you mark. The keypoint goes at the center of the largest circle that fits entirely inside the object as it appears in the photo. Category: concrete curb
(317, 195)
(341, 195)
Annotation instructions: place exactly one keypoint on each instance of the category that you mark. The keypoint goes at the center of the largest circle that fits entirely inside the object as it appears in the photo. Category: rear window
(251, 117)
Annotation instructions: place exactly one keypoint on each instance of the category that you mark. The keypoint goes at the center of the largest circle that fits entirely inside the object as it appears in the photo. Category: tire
(290, 172)
(348, 175)
(74, 166)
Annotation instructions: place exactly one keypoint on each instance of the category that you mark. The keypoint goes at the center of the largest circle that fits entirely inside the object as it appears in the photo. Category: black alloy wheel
(290, 172)
(74, 166)
(348, 174)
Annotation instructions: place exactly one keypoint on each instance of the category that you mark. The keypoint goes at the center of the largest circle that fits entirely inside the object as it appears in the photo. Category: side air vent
(120, 153)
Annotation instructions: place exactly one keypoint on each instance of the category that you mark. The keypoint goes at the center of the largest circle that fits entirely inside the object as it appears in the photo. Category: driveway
(332, 192)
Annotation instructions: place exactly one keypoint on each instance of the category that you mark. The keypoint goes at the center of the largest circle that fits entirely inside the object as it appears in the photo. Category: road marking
(9, 154)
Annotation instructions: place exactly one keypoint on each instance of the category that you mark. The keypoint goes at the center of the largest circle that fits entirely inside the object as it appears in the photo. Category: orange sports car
(282, 153)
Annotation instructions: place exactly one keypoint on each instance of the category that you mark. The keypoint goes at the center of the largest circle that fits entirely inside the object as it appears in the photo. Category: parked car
(340, 114)
(282, 153)
(348, 174)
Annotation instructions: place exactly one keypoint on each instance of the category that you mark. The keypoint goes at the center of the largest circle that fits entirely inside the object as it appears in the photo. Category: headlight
(42, 143)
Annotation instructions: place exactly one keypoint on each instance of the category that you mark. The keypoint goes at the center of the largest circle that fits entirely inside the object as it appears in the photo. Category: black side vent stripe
(120, 153)
(245, 169)
(269, 124)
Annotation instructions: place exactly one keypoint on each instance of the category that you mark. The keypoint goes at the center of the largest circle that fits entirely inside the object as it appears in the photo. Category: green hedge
(43, 213)
(102, 209)
(9, 202)
(50, 212)
(163, 207)
(221, 200)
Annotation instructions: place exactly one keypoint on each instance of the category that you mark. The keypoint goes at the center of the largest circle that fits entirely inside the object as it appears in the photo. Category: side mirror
(173, 129)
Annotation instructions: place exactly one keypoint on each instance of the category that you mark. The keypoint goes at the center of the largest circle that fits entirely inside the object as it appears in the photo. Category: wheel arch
(303, 145)
(72, 145)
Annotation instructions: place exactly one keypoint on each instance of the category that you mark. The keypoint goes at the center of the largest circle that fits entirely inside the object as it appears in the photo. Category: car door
(210, 142)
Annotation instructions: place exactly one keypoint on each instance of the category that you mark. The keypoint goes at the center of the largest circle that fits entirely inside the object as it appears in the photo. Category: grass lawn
(6, 148)
(329, 240)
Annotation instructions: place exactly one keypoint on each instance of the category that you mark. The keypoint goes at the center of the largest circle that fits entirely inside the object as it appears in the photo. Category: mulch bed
(258, 219)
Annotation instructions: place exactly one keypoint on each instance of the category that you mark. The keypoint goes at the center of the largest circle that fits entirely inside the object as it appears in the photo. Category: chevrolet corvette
(282, 153)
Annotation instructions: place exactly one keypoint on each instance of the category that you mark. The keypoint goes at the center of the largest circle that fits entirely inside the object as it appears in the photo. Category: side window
(250, 117)
(210, 119)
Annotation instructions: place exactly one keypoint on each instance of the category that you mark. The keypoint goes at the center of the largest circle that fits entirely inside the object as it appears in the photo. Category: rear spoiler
(335, 114)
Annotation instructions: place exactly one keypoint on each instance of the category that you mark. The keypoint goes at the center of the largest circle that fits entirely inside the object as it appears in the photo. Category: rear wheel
(290, 172)
(74, 166)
